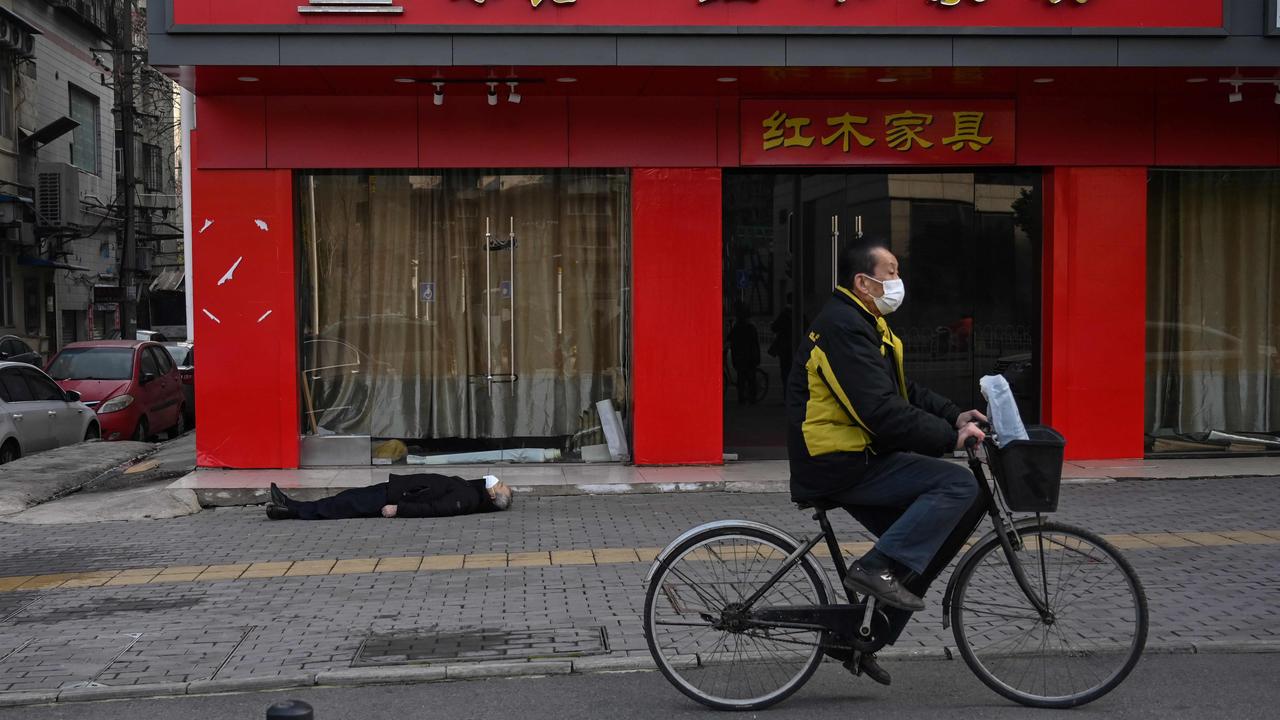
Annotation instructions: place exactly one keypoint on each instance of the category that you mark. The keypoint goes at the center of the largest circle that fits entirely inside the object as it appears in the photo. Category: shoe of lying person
(275, 512)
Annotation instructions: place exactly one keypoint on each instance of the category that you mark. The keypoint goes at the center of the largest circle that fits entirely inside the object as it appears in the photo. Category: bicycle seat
(819, 505)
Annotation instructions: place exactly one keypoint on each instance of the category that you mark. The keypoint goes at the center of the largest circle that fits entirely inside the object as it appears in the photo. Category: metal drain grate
(432, 645)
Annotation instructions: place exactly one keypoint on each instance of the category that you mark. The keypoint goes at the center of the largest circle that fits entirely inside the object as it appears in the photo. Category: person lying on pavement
(420, 495)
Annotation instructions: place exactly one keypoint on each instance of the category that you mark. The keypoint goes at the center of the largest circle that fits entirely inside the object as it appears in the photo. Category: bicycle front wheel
(1093, 639)
(710, 650)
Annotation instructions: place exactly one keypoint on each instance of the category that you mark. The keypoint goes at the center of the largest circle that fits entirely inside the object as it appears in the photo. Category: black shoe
(278, 497)
(871, 668)
(275, 512)
(883, 586)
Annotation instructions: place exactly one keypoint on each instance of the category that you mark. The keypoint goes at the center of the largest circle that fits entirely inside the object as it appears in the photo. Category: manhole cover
(431, 645)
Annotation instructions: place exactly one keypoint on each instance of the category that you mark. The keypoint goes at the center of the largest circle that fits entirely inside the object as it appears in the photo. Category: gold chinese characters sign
(877, 132)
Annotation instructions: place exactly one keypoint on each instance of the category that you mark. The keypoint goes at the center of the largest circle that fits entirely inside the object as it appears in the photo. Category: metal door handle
(511, 241)
(835, 251)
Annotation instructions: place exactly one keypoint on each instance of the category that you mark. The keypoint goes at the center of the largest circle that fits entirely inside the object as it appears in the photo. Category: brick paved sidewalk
(138, 603)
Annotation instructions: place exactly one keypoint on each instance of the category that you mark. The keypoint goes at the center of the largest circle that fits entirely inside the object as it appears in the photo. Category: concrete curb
(410, 674)
(475, 671)
(22, 699)
(121, 692)
(251, 684)
(355, 677)
(1234, 647)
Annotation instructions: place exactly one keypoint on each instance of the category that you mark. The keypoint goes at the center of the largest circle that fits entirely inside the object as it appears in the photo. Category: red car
(132, 385)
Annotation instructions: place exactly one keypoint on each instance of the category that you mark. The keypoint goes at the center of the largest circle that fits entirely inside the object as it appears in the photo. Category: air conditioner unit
(58, 195)
(158, 200)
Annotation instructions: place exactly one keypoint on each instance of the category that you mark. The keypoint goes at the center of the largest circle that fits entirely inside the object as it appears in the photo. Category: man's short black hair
(859, 258)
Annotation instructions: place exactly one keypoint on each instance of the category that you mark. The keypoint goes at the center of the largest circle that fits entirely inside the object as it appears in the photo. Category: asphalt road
(1163, 687)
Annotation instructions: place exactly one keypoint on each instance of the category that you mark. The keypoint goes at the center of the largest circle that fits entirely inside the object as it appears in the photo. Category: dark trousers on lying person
(361, 502)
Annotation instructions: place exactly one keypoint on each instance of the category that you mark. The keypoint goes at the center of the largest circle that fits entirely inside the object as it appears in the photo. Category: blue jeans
(922, 510)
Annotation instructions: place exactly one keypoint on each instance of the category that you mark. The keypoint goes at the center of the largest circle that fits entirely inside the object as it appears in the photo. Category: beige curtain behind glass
(1213, 302)
(459, 334)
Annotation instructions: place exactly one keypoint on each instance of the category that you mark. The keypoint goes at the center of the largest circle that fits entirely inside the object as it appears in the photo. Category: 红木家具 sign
(877, 132)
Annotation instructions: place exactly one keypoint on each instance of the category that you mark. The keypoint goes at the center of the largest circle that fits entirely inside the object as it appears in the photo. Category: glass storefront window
(1213, 311)
(969, 247)
(464, 311)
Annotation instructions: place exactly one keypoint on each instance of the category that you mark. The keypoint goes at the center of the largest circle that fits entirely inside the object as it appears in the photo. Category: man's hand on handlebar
(970, 433)
(968, 417)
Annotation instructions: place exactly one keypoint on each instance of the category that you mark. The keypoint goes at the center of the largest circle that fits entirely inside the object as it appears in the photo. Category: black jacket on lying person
(424, 495)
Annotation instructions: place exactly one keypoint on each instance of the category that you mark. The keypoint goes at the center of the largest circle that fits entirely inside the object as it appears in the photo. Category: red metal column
(676, 373)
(245, 322)
(1095, 309)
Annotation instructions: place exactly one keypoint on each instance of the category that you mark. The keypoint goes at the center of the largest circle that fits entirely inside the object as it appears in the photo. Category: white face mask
(895, 291)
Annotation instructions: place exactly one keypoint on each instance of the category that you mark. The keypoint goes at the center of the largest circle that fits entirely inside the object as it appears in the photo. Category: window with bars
(152, 168)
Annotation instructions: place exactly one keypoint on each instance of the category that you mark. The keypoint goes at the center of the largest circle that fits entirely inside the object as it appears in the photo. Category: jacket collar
(847, 296)
(881, 325)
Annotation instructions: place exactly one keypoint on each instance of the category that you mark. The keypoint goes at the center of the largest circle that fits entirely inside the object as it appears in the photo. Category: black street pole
(124, 101)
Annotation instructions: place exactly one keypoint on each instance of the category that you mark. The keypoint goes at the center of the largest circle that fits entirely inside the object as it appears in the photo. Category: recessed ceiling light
(727, 79)
(887, 80)
(1197, 80)
(405, 80)
(567, 80)
(1042, 81)
(247, 78)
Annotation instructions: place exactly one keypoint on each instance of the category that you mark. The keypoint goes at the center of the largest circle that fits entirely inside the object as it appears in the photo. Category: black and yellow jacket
(848, 400)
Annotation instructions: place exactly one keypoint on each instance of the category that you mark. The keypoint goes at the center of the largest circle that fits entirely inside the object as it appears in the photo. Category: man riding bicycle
(864, 437)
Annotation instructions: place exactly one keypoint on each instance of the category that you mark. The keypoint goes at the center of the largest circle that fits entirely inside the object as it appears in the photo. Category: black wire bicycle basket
(1029, 472)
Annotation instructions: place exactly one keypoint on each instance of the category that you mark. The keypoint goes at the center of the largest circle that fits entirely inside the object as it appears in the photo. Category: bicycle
(1032, 604)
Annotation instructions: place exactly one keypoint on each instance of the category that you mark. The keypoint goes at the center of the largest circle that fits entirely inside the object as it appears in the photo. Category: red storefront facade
(1092, 96)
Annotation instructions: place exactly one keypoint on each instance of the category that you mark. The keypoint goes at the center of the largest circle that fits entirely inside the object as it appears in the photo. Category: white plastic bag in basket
(1002, 410)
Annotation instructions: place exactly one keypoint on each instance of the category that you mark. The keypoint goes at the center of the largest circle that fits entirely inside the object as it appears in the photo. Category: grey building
(61, 193)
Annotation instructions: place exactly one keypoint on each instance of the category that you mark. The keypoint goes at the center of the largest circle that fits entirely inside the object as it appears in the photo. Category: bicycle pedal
(854, 664)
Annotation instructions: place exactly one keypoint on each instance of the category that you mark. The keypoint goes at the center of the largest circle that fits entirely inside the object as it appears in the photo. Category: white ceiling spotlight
(493, 93)
(513, 96)
(1235, 95)
(1237, 82)
(438, 96)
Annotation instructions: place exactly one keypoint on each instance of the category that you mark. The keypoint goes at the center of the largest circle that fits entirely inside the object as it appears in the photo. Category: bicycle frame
(1003, 525)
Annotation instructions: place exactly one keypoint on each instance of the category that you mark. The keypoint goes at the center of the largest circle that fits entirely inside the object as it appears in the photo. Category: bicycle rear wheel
(1096, 634)
(732, 666)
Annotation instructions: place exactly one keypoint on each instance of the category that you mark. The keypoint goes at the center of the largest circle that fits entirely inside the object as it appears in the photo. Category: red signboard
(877, 132)
(513, 15)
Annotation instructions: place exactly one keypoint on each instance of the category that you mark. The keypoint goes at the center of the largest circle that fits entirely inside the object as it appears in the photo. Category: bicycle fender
(951, 582)
(715, 525)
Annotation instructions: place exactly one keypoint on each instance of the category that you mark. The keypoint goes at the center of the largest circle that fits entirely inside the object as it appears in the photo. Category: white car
(36, 414)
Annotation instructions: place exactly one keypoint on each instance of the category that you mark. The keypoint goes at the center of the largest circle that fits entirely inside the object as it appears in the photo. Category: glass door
(969, 247)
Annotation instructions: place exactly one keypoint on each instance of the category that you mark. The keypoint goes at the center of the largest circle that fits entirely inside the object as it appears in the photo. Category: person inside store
(421, 495)
(862, 436)
(744, 349)
(783, 342)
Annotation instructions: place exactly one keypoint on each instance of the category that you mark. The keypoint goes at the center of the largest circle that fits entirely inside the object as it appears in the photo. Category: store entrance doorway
(969, 247)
